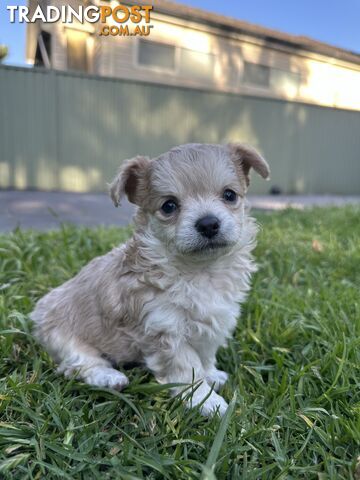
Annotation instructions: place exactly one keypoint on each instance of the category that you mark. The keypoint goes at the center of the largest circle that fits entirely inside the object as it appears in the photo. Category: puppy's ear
(132, 180)
(246, 157)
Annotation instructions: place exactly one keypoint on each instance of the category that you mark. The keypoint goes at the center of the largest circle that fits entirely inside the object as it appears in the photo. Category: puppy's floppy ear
(246, 157)
(132, 180)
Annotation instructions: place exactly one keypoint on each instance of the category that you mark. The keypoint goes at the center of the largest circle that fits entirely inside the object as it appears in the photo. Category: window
(274, 79)
(155, 54)
(255, 74)
(188, 63)
(43, 50)
(76, 50)
(196, 65)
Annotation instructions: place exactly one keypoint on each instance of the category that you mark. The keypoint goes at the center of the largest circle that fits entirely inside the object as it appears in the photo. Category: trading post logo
(118, 20)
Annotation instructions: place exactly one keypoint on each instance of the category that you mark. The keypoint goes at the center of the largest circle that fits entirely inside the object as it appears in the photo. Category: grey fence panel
(62, 131)
(28, 133)
(329, 151)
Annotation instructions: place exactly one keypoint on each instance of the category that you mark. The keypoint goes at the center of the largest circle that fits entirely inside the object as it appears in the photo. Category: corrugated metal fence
(62, 131)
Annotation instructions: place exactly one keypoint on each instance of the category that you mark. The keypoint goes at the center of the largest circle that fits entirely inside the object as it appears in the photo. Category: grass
(294, 366)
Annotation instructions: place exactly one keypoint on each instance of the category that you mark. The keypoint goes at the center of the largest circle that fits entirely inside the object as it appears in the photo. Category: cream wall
(324, 81)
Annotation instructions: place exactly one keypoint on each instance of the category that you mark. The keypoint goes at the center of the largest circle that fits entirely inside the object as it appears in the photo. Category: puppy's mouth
(211, 246)
(208, 247)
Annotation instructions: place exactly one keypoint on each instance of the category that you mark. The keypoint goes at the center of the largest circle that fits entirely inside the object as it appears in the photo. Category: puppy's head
(192, 197)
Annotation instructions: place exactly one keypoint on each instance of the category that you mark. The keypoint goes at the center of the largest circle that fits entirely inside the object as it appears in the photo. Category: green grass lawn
(294, 365)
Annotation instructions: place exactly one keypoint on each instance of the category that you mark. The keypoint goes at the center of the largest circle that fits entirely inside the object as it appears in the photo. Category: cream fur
(167, 297)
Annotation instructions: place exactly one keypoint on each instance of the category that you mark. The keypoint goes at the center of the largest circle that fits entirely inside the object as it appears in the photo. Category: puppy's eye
(169, 207)
(229, 196)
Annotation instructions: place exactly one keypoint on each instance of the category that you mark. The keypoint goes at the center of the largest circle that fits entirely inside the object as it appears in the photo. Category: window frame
(87, 60)
(252, 84)
(156, 68)
(46, 39)
(269, 88)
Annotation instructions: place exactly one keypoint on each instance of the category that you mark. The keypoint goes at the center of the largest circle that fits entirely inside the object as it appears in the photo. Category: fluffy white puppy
(170, 296)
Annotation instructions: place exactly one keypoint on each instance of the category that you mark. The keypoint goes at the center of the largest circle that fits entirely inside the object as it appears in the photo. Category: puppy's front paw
(217, 378)
(213, 404)
(106, 377)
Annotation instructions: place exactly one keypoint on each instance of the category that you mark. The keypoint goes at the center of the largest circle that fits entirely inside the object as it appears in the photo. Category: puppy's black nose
(208, 226)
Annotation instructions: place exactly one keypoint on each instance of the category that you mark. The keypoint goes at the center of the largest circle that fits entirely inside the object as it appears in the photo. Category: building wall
(65, 131)
(323, 80)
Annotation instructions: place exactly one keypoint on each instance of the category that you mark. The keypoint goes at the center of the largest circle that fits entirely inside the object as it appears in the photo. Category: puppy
(170, 296)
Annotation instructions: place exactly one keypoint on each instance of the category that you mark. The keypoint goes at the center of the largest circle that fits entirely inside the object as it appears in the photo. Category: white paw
(217, 378)
(106, 377)
(213, 404)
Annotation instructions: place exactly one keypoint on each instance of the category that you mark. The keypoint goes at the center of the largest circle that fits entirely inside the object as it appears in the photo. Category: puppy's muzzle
(208, 226)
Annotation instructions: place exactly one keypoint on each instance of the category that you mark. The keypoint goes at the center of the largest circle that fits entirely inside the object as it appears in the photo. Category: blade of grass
(218, 441)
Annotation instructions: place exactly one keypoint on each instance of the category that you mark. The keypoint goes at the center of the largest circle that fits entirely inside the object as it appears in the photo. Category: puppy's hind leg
(87, 363)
